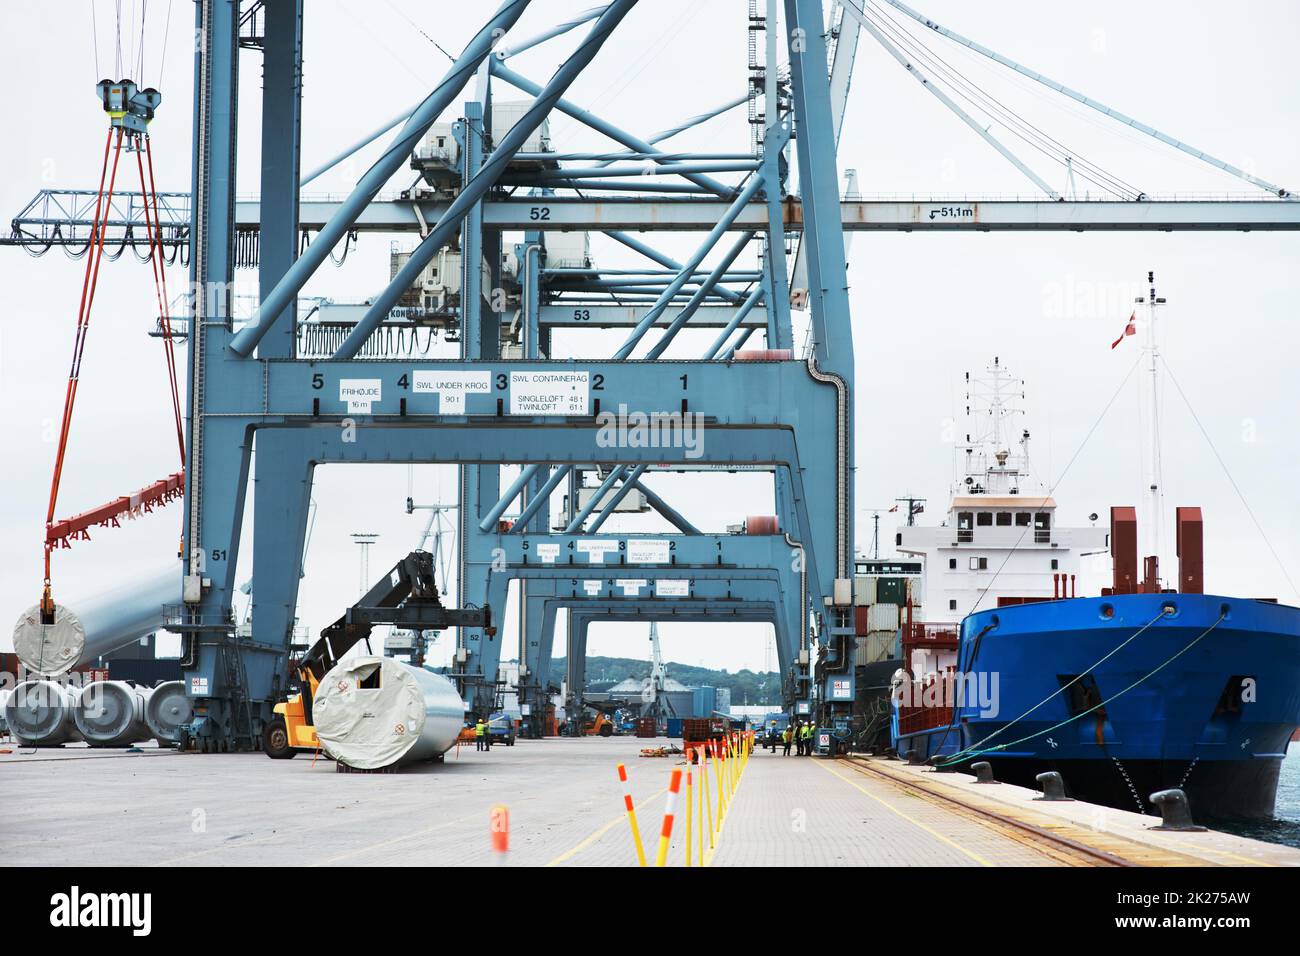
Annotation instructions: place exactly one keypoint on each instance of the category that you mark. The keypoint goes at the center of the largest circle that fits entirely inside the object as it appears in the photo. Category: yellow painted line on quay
(621, 818)
(910, 819)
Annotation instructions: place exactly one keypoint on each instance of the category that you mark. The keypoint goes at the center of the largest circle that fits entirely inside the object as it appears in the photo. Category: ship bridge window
(1004, 519)
(1042, 527)
(1022, 519)
(984, 519)
(965, 528)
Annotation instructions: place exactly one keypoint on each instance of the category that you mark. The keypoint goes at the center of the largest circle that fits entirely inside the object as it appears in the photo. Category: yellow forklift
(407, 596)
(604, 723)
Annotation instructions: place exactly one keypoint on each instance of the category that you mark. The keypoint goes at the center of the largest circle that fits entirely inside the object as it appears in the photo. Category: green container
(891, 591)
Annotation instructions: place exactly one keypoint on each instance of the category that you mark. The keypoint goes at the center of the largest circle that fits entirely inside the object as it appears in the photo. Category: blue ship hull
(1205, 698)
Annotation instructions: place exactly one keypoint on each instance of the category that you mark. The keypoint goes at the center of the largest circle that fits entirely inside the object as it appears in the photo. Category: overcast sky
(924, 308)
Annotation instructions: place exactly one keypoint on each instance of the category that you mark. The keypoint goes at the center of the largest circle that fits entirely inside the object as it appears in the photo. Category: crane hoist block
(127, 105)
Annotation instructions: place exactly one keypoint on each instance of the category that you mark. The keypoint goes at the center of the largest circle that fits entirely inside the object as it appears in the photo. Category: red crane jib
(61, 534)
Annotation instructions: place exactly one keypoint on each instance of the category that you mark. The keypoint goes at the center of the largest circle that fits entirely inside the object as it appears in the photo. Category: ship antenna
(1151, 352)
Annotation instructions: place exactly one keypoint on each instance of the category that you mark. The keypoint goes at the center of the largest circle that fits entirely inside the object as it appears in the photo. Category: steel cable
(1187, 647)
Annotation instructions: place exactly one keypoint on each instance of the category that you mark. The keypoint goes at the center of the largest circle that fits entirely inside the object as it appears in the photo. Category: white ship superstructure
(1000, 542)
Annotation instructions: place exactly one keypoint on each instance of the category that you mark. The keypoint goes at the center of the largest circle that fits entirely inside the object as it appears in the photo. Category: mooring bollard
(1175, 812)
(631, 815)
(983, 772)
(670, 806)
(913, 759)
(1053, 786)
(499, 827)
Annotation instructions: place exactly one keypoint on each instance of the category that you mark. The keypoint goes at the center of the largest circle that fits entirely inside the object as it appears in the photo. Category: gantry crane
(251, 385)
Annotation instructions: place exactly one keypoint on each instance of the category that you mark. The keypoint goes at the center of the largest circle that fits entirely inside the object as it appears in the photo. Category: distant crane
(652, 692)
(439, 526)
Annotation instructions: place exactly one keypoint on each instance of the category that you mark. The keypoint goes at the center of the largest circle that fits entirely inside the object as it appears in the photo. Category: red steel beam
(61, 534)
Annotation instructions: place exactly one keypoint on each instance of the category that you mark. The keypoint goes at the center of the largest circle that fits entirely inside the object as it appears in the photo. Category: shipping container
(674, 727)
(704, 701)
(876, 646)
(697, 731)
(891, 590)
(882, 617)
(864, 590)
(148, 672)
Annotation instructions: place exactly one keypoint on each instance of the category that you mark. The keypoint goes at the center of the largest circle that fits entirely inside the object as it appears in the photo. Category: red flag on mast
(1130, 329)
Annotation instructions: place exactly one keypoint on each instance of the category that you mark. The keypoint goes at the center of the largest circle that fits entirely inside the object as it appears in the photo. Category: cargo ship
(1144, 687)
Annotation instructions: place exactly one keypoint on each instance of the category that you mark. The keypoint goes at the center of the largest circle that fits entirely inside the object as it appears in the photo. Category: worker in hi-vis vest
(786, 736)
(480, 735)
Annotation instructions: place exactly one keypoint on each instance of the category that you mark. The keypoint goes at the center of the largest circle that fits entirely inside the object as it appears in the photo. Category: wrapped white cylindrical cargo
(110, 713)
(87, 629)
(166, 710)
(39, 713)
(372, 712)
(882, 617)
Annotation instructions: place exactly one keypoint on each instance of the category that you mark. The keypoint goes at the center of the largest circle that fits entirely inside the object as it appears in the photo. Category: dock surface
(566, 809)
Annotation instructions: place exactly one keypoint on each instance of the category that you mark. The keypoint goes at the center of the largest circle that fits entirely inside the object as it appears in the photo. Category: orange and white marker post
(670, 805)
(690, 802)
(499, 826)
(631, 815)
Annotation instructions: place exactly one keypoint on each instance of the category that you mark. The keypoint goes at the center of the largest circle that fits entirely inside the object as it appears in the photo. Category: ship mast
(1150, 527)
(993, 469)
